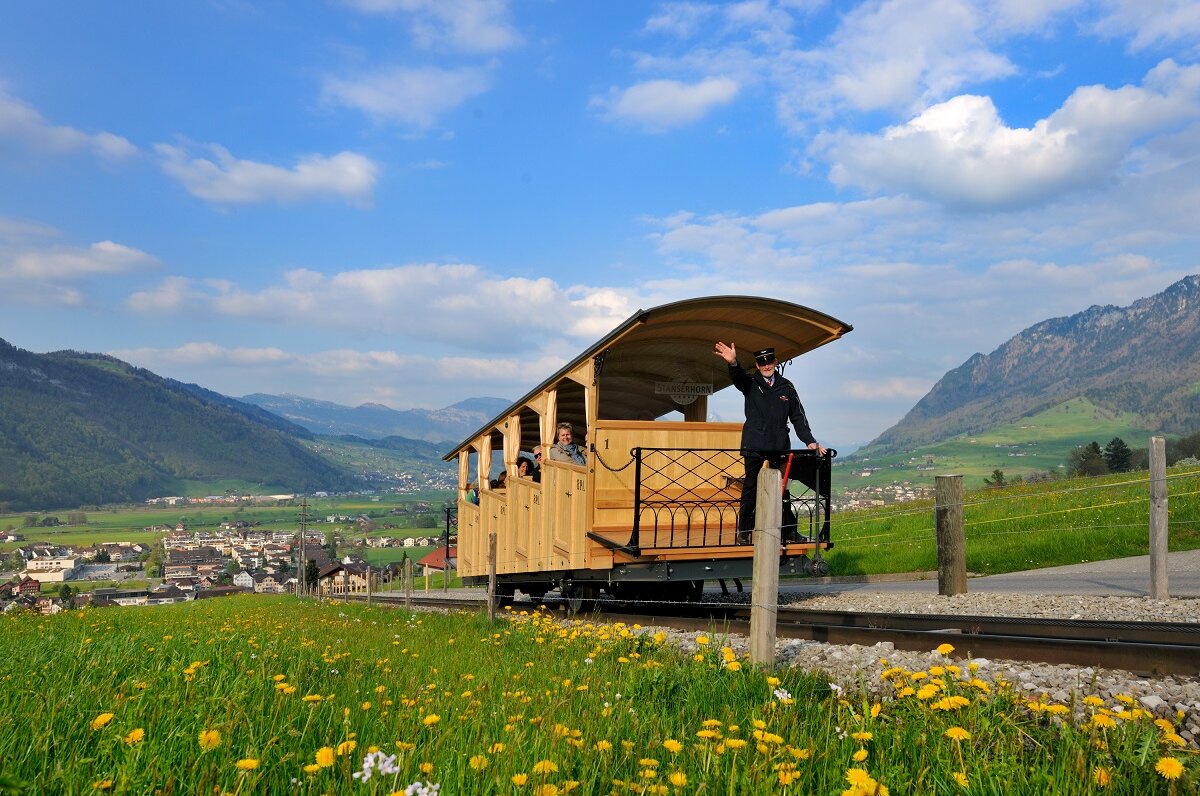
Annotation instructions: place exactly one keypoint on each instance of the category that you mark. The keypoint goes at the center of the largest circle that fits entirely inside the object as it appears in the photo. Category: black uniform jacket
(768, 409)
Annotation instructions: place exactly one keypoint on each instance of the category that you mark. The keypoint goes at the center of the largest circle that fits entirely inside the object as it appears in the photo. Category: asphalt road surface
(1129, 577)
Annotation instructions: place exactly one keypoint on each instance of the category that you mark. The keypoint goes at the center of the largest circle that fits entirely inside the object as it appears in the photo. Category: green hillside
(1034, 444)
(79, 429)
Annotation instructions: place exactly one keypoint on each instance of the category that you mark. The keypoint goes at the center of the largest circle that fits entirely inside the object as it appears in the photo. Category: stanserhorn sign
(682, 393)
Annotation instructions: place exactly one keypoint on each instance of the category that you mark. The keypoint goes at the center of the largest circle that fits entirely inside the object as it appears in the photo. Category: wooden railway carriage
(653, 512)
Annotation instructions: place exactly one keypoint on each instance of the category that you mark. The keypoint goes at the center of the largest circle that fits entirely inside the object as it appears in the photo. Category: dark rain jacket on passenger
(768, 410)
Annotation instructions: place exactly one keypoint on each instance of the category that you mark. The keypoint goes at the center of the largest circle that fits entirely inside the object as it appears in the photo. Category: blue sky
(413, 202)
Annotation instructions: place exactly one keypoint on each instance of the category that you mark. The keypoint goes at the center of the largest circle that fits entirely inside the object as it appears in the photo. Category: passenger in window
(472, 493)
(501, 481)
(524, 467)
(536, 475)
(565, 449)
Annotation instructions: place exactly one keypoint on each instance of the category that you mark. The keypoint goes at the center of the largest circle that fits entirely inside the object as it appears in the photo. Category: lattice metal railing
(690, 497)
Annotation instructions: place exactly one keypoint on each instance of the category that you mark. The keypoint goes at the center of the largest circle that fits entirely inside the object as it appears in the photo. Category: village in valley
(183, 563)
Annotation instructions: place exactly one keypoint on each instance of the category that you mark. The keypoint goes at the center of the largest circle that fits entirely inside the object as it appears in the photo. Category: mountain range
(1143, 359)
(376, 421)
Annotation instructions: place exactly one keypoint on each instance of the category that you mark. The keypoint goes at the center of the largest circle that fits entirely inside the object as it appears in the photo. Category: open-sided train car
(653, 512)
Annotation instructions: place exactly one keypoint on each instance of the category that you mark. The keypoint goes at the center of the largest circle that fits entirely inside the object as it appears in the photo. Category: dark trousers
(754, 462)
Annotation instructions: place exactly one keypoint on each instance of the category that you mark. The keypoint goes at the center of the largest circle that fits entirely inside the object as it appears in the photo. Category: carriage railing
(691, 497)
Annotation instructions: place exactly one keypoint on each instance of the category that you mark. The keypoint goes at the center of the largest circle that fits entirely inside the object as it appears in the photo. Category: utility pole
(302, 566)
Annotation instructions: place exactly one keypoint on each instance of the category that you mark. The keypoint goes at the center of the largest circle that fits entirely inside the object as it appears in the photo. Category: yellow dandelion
(546, 790)
(1169, 767)
(733, 666)
(325, 756)
(1101, 776)
(246, 764)
(102, 784)
(209, 740)
(701, 640)
(311, 768)
(545, 767)
(857, 776)
(957, 734)
(426, 768)
(787, 777)
(862, 737)
(135, 736)
(1107, 722)
(520, 779)
(603, 746)
(479, 762)
(678, 779)
(1093, 701)
(961, 779)
(859, 756)
(101, 720)
(366, 706)
(346, 747)
(497, 748)
(672, 746)
(431, 719)
(735, 744)
(945, 649)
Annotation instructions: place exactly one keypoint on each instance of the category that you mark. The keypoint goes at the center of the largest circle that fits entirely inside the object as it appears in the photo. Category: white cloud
(411, 96)
(661, 104)
(1150, 23)
(69, 263)
(46, 274)
(905, 389)
(961, 153)
(22, 122)
(425, 302)
(480, 26)
(224, 179)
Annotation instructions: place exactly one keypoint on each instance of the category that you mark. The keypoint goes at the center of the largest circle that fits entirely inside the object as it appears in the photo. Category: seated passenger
(472, 493)
(536, 475)
(524, 467)
(565, 449)
(501, 481)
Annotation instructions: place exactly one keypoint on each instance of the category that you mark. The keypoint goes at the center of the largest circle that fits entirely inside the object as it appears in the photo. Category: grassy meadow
(1022, 527)
(1038, 443)
(271, 695)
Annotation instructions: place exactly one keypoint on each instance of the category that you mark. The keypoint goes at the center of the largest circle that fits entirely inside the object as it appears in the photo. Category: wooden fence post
(1158, 519)
(368, 587)
(408, 582)
(764, 593)
(951, 543)
(491, 595)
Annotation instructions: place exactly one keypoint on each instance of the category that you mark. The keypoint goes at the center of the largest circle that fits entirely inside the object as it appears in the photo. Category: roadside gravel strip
(856, 667)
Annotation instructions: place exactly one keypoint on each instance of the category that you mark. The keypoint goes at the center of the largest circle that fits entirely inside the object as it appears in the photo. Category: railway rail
(1156, 648)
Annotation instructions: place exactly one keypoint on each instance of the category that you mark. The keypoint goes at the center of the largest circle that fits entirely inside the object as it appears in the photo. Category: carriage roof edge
(792, 329)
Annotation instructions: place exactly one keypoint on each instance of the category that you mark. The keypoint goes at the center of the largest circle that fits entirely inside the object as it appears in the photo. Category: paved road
(1128, 577)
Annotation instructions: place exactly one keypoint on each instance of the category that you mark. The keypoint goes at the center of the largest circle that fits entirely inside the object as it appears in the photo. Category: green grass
(172, 699)
(1022, 527)
(1045, 440)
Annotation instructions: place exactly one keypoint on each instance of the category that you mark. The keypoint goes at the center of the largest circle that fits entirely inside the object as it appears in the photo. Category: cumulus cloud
(1150, 24)
(22, 122)
(961, 152)
(479, 26)
(452, 305)
(49, 274)
(68, 263)
(223, 179)
(659, 105)
(413, 96)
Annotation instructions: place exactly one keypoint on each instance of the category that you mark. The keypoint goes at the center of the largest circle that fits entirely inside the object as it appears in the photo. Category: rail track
(1156, 648)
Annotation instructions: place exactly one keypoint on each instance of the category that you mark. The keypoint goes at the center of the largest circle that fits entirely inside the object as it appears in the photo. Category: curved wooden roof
(674, 343)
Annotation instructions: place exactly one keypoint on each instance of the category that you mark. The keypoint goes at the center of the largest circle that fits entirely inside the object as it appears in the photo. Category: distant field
(1034, 444)
(125, 523)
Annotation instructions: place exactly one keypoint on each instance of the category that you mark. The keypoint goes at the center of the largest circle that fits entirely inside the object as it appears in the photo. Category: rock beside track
(855, 668)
